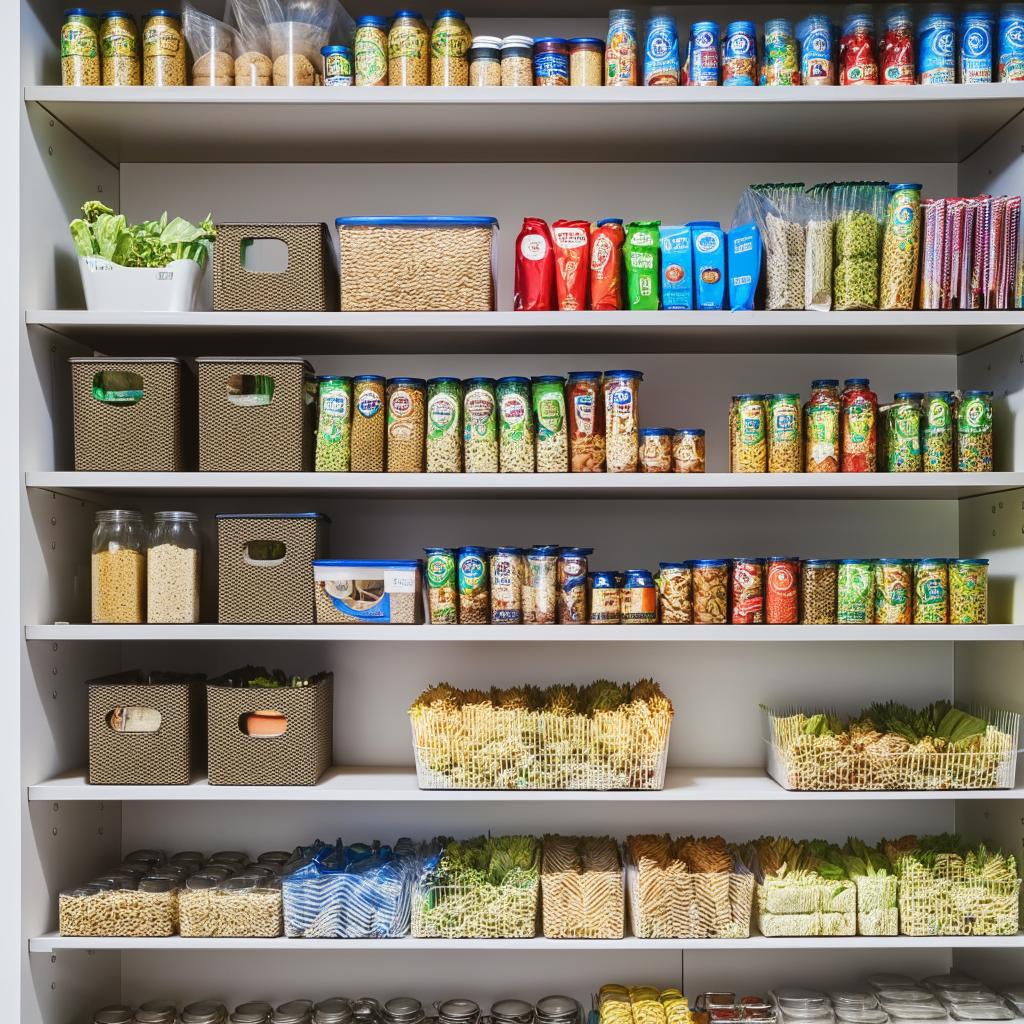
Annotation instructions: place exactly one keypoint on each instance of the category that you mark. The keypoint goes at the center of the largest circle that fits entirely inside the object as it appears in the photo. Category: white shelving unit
(295, 155)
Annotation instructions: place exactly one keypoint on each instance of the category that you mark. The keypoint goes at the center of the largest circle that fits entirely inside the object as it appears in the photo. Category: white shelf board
(528, 634)
(52, 943)
(190, 334)
(536, 485)
(398, 785)
(185, 124)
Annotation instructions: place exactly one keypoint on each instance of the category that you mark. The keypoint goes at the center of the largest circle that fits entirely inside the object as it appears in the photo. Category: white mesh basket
(944, 901)
(482, 747)
(579, 901)
(482, 911)
(796, 762)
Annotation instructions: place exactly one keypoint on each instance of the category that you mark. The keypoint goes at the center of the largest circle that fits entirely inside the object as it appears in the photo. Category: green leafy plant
(153, 243)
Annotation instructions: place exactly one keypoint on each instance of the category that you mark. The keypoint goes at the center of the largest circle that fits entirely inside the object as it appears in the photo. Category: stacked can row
(547, 424)
(848, 431)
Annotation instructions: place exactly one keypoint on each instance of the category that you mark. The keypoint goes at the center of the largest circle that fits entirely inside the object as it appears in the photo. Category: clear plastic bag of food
(298, 29)
(820, 230)
(859, 210)
(780, 212)
(212, 44)
(253, 65)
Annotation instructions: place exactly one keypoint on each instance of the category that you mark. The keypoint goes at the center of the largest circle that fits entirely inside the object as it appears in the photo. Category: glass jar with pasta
(675, 592)
(968, 591)
(710, 591)
(408, 49)
(937, 431)
(931, 591)
(784, 441)
(748, 449)
(655, 455)
(605, 599)
(859, 427)
(540, 585)
(818, 591)
(585, 411)
(688, 450)
(903, 433)
(821, 427)
(622, 419)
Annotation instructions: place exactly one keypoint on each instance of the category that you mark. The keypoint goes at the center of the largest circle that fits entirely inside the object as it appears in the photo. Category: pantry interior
(312, 155)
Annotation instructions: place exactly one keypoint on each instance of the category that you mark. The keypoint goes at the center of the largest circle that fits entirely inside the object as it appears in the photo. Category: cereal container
(974, 432)
(549, 417)
(621, 415)
(371, 50)
(856, 592)
(605, 599)
(818, 592)
(369, 417)
(79, 48)
(480, 425)
(968, 591)
(655, 454)
(550, 61)
(688, 450)
(903, 433)
(485, 61)
(675, 592)
(516, 61)
(515, 425)
(746, 582)
(931, 591)
(408, 50)
(639, 598)
(334, 425)
(901, 245)
(444, 425)
(442, 586)
(163, 49)
(747, 434)
(937, 431)
(119, 567)
(119, 49)
(622, 53)
(585, 412)
(507, 586)
(784, 442)
(739, 54)
(172, 568)
(540, 585)
(586, 62)
(821, 428)
(859, 427)
(936, 46)
(894, 588)
(474, 588)
(782, 590)
(450, 40)
(368, 592)
(406, 424)
(572, 586)
(710, 591)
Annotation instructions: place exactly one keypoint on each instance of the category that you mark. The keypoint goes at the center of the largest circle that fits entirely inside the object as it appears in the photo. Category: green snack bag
(641, 252)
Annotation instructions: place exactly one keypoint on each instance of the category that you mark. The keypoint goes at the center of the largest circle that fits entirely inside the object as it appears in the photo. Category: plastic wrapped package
(247, 905)
(298, 29)
(859, 210)
(780, 213)
(213, 45)
(253, 64)
(820, 232)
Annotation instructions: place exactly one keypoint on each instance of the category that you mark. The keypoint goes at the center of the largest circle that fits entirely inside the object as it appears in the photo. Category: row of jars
(588, 423)
(343, 1010)
(848, 431)
(145, 574)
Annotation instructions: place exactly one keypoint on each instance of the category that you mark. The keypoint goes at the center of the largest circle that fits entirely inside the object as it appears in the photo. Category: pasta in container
(582, 888)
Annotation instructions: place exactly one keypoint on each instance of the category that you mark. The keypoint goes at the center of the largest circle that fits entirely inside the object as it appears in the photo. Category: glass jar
(515, 425)
(586, 62)
(442, 588)
(550, 61)
(173, 568)
(748, 446)
(485, 61)
(163, 49)
(548, 399)
(605, 599)
(540, 585)
(450, 41)
(968, 591)
(818, 592)
(688, 450)
(639, 598)
(118, 567)
(782, 590)
(621, 417)
(119, 49)
(931, 591)
(859, 426)
(675, 592)
(334, 425)
(444, 425)
(337, 65)
(517, 61)
(474, 588)
(746, 583)
(507, 586)
(974, 432)
(903, 433)
(408, 50)
(407, 421)
(480, 425)
(710, 591)
(369, 417)
(856, 592)
(572, 586)
(585, 411)
(79, 48)
(937, 431)
(894, 587)
(784, 442)
(821, 428)
(371, 50)
(655, 450)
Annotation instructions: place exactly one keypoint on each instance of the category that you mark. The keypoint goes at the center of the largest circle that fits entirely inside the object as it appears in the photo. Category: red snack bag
(571, 240)
(606, 238)
(535, 267)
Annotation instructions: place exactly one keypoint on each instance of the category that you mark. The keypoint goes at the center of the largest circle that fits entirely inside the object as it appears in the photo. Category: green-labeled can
(937, 432)
(550, 422)
(334, 425)
(748, 434)
(474, 586)
(931, 591)
(785, 445)
(968, 591)
(444, 425)
(480, 425)
(856, 605)
(974, 432)
(515, 425)
(903, 433)
(442, 586)
(894, 587)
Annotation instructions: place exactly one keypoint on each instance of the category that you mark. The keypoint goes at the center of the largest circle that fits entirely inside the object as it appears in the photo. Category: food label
(337, 69)
(450, 41)
(472, 573)
(77, 39)
(550, 410)
(503, 570)
(583, 412)
(117, 43)
(407, 42)
(368, 404)
(533, 247)
(938, 416)
(605, 605)
(371, 59)
(750, 420)
(480, 420)
(621, 53)
(551, 68)
(571, 244)
(335, 405)
(859, 417)
(747, 600)
(661, 52)
(975, 416)
(400, 404)
(785, 423)
(442, 415)
(1011, 49)
(620, 410)
(440, 571)
(937, 46)
(639, 605)
(975, 50)
(514, 411)
(160, 41)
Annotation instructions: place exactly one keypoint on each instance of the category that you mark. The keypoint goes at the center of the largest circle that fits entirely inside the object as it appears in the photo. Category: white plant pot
(114, 289)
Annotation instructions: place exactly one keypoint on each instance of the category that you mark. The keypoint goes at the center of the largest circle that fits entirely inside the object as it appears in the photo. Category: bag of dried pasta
(859, 211)
(818, 268)
(212, 44)
(780, 212)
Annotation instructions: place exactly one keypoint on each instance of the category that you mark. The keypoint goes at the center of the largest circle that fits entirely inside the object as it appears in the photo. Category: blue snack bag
(744, 265)
(676, 268)
(707, 241)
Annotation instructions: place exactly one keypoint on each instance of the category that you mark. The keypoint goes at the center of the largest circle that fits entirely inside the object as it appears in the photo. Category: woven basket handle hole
(265, 553)
(133, 718)
(250, 389)
(264, 255)
(117, 387)
(265, 724)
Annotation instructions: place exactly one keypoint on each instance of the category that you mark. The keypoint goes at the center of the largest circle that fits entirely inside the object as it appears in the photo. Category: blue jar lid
(439, 551)
(548, 378)
(326, 51)
(639, 574)
(749, 398)
(471, 549)
(408, 382)
(704, 26)
(656, 431)
(893, 561)
(691, 431)
(584, 375)
(782, 394)
(927, 562)
(449, 12)
(609, 220)
(624, 374)
(818, 562)
(407, 12)
(735, 28)
(443, 380)
(825, 382)
(332, 376)
(968, 561)
(756, 561)
(574, 551)
(469, 381)
(371, 21)
(558, 40)
(162, 12)
(507, 551)
(980, 394)
(81, 12)
(586, 41)
(938, 394)
(368, 376)
(605, 580)
(913, 396)
(856, 382)
(674, 565)
(709, 563)
(906, 185)
(544, 549)
(856, 561)
(513, 380)
(117, 14)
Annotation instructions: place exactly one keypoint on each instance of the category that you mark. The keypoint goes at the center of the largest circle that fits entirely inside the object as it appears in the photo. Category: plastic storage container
(411, 264)
(367, 593)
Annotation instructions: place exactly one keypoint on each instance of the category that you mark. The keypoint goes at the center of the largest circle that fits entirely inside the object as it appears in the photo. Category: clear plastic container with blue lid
(453, 261)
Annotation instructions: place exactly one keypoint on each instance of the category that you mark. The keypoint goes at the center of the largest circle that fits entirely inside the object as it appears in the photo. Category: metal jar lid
(301, 1007)
(336, 1010)
(514, 1011)
(253, 1012)
(205, 1011)
(158, 1016)
(115, 1014)
(366, 1008)
(458, 1009)
(403, 1008)
(557, 1007)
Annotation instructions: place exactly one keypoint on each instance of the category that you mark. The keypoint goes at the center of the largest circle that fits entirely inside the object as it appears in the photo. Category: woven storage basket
(457, 911)
(161, 758)
(947, 902)
(298, 757)
(276, 437)
(268, 592)
(796, 762)
(579, 901)
(308, 284)
(144, 436)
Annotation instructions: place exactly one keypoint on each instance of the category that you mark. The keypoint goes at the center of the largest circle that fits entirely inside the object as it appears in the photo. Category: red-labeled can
(535, 267)
(747, 591)
(782, 600)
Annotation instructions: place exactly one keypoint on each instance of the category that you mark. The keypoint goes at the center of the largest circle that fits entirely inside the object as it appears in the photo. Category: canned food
(937, 431)
(739, 54)
(968, 591)
(903, 433)
(785, 450)
(474, 591)
(506, 570)
(936, 47)
(815, 42)
(675, 592)
(655, 450)
(479, 425)
(977, 26)
(821, 428)
(818, 591)
(710, 591)
(442, 586)
(931, 591)
(974, 432)
(747, 585)
(856, 592)
(540, 585)
(894, 587)
(620, 55)
(572, 586)
(780, 64)
(605, 599)
(782, 590)
(748, 433)
(661, 51)
(585, 412)
(688, 450)
(337, 68)
(703, 53)
(639, 598)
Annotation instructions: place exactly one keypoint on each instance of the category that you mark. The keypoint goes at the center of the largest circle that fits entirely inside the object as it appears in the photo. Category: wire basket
(799, 762)
(458, 910)
(579, 899)
(877, 907)
(806, 906)
(946, 901)
(667, 901)
(483, 747)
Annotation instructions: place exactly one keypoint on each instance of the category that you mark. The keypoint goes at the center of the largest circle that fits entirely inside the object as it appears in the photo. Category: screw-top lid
(407, 382)
(908, 396)
(656, 431)
(371, 21)
(749, 398)
(162, 12)
(856, 382)
(449, 12)
(80, 12)
(585, 374)
(825, 382)
(326, 51)
(205, 1011)
(443, 380)
(513, 380)
(458, 1009)
(405, 12)
(131, 17)
(548, 378)
(517, 42)
(691, 431)
(624, 374)
(114, 1014)
(175, 517)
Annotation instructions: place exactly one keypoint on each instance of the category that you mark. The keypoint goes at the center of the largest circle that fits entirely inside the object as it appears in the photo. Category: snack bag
(643, 240)
(744, 263)
(676, 268)
(535, 267)
(606, 238)
(571, 242)
(708, 263)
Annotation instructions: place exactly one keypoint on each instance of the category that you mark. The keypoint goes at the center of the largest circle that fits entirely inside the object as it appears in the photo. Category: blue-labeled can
(474, 589)
(639, 598)
(703, 53)
(815, 40)
(550, 61)
(661, 51)
(605, 599)
(977, 26)
(1011, 43)
(572, 586)
(739, 54)
(936, 47)
(337, 65)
